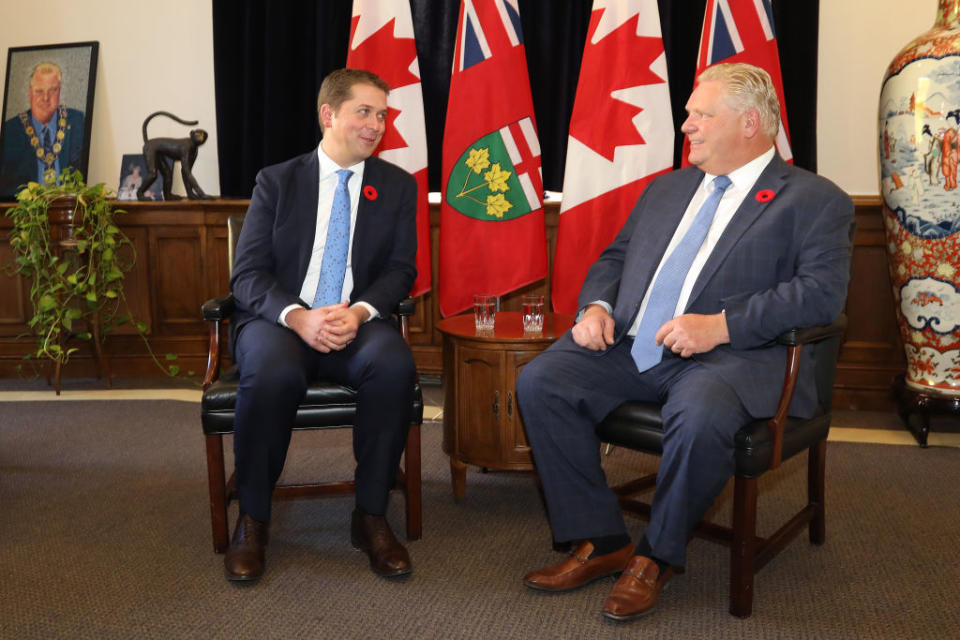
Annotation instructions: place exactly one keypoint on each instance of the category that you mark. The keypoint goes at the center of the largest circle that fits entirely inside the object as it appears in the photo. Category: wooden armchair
(326, 405)
(760, 446)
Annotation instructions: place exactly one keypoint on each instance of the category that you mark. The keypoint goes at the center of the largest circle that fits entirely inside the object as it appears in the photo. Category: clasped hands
(328, 328)
(684, 335)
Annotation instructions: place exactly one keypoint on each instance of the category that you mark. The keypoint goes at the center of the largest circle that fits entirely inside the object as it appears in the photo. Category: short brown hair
(748, 87)
(337, 87)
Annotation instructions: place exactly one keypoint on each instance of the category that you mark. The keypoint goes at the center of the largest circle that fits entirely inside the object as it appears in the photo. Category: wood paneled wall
(182, 261)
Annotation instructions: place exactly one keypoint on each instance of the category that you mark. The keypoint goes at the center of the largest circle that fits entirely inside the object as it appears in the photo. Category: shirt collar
(52, 125)
(747, 175)
(328, 166)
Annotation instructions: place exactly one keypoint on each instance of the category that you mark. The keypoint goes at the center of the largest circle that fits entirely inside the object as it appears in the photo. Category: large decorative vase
(919, 119)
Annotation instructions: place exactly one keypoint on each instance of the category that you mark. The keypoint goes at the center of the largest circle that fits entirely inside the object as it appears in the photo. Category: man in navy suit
(774, 255)
(41, 142)
(284, 335)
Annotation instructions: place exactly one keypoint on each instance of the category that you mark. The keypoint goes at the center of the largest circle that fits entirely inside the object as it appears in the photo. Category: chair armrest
(215, 311)
(404, 310)
(794, 340)
(406, 307)
(810, 335)
(218, 309)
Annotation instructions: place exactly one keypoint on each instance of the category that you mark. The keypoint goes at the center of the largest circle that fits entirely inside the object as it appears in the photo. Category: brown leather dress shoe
(245, 557)
(636, 592)
(578, 569)
(372, 534)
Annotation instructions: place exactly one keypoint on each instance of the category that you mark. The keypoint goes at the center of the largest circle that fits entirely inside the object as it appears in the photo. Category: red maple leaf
(619, 61)
(391, 137)
(388, 57)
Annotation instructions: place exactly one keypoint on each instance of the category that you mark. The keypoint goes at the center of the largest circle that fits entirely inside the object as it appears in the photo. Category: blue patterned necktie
(334, 265)
(666, 289)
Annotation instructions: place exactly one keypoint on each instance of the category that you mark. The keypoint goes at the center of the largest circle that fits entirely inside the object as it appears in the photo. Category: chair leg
(218, 492)
(743, 547)
(816, 491)
(413, 488)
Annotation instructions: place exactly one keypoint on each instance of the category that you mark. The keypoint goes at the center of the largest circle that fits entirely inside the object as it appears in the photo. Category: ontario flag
(381, 41)
(621, 136)
(492, 235)
(742, 31)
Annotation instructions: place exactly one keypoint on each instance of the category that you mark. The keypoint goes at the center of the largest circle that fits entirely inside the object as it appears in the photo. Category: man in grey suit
(682, 308)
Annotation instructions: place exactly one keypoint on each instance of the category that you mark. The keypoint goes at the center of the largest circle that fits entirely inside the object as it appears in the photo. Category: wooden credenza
(182, 261)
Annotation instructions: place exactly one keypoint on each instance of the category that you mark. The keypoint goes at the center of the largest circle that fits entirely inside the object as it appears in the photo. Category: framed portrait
(133, 170)
(47, 110)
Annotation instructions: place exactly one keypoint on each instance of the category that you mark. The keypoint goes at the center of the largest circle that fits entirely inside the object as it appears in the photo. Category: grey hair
(748, 87)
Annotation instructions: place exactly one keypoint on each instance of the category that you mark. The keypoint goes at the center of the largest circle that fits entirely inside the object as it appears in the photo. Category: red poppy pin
(765, 196)
(371, 194)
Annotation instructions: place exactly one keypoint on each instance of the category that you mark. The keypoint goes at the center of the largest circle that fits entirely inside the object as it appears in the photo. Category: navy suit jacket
(780, 263)
(276, 240)
(18, 161)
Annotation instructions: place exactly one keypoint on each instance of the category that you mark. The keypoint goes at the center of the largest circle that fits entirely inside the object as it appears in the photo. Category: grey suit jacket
(780, 263)
(276, 241)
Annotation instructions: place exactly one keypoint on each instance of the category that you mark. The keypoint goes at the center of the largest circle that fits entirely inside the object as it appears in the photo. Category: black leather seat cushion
(637, 425)
(326, 405)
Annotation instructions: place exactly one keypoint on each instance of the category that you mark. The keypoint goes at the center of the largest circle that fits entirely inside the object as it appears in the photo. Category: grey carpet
(104, 533)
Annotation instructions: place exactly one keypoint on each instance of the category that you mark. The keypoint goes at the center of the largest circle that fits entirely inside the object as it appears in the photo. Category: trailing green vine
(77, 283)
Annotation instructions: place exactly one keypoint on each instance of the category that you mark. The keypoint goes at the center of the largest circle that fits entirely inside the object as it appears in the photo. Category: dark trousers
(567, 390)
(275, 366)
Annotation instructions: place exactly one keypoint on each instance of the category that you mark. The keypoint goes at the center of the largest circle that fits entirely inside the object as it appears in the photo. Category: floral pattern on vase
(919, 144)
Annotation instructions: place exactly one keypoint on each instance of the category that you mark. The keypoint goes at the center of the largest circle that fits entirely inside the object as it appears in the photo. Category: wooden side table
(481, 422)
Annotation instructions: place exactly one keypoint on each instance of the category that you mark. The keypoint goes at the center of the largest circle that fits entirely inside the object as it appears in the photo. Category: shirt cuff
(583, 309)
(282, 320)
(369, 307)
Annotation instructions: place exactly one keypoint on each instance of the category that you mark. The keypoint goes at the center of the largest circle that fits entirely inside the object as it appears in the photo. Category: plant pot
(60, 215)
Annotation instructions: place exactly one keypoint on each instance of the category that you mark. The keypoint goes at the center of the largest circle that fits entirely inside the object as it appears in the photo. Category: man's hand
(595, 329)
(342, 325)
(693, 333)
(328, 328)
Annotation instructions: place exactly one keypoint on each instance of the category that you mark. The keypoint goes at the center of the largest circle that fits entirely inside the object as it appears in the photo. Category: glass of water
(532, 308)
(484, 310)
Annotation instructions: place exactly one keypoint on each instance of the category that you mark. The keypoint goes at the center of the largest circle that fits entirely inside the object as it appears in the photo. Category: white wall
(153, 57)
(160, 57)
(858, 40)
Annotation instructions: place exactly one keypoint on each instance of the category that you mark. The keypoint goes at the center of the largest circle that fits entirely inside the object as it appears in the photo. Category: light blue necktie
(666, 289)
(334, 265)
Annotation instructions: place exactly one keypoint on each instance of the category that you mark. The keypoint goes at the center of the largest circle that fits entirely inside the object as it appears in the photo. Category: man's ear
(751, 122)
(326, 115)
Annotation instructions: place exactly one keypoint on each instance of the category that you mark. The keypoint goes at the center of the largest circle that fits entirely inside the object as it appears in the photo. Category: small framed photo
(47, 109)
(133, 169)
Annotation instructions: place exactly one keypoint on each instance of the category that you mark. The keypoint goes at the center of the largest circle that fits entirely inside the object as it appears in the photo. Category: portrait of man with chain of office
(47, 107)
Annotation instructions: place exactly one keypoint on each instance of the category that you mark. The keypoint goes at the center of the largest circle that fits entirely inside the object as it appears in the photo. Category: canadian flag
(621, 136)
(381, 41)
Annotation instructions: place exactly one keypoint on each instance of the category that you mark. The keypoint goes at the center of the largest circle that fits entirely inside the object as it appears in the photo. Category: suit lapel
(773, 178)
(367, 206)
(651, 241)
(306, 193)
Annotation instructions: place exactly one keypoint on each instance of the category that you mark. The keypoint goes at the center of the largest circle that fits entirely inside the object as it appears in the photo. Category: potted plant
(66, 243)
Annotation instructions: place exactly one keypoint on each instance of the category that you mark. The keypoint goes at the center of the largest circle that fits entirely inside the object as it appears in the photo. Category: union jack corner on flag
(492, 232)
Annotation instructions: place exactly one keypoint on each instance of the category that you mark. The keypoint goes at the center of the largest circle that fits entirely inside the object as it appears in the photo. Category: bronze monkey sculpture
(157, 150)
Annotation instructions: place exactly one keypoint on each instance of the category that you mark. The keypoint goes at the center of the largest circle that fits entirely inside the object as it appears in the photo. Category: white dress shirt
(327, 186)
